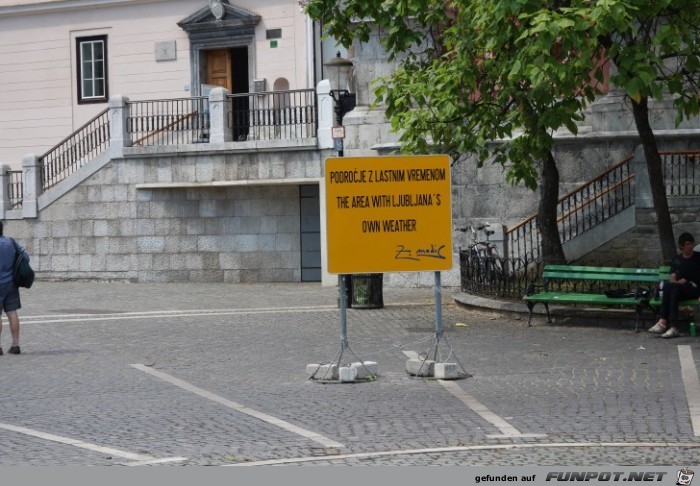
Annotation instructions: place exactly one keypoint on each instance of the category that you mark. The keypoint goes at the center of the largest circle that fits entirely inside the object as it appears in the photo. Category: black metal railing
(596, 201)
(260, 116)
(495, 276)
(681, 173)
(512, 278)
(273, 115)
(15, 188)
(603, 197)
(578, 211)
(168, 122)
(524, 240)
(75, 151)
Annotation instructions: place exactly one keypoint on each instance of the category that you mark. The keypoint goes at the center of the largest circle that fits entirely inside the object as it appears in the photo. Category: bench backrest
(613, 274)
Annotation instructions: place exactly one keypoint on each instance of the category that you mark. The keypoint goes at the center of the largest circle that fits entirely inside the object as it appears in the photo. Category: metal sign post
(344, 343)
(439, 335)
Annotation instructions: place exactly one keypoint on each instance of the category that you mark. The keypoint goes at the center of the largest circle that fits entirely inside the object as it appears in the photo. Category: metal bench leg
(549, 318)
(530, 306)
(639, 310)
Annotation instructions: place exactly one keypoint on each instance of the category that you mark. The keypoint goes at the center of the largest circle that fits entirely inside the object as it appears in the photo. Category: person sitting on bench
(683, 285)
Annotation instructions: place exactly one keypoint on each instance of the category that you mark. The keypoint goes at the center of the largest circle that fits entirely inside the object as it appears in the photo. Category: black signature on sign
(432, 251)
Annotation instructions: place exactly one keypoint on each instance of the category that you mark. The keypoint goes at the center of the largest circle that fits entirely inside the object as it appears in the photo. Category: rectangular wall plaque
(166, 51)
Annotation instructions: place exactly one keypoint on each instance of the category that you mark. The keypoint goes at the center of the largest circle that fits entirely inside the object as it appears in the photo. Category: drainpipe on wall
(310, 58)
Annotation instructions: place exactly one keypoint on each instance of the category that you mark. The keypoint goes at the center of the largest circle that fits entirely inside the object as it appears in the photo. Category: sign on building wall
(388, 214)
(166, 51)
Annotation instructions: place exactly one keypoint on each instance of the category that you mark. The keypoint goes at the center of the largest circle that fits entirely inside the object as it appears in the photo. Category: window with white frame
(92, 69)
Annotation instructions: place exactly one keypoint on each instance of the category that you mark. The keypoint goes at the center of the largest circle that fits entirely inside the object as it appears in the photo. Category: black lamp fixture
(338, 71)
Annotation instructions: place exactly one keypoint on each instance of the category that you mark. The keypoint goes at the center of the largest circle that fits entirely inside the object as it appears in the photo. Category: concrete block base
(447, 371)
(322, 371)
(419, 367)
(352, 372)
(347, 373)
(362, 372)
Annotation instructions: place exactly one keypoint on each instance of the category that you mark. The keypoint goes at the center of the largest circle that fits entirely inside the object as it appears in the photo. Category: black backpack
(22, 273)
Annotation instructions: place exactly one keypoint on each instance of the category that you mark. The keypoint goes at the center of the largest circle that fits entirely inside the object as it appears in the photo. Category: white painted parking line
(118, 315)
(314, 436)
(692, 387)
(142, 458)
(168, 314)
(153, 462)
(506, 429)
(485, 447)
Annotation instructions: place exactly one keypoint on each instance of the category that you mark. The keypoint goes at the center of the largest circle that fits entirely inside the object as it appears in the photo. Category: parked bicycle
(484, 260)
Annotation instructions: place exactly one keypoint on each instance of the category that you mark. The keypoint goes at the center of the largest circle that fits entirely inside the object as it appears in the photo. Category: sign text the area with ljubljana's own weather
(388, 214)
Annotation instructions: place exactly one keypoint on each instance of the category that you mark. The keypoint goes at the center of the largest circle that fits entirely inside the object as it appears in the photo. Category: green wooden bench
(655, 302)
(583, 285)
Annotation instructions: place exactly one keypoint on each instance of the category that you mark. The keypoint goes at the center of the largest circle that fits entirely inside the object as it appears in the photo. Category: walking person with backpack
(9, 292)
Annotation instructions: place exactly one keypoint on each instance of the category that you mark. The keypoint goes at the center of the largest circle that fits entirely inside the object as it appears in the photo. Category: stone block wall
(640, 246)
(120, 225)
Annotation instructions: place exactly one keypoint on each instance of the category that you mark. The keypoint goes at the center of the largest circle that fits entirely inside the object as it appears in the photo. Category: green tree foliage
(655, 48)
(515, 71)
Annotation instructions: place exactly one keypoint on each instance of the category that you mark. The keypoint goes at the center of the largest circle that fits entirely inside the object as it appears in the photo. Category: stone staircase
(611, 205)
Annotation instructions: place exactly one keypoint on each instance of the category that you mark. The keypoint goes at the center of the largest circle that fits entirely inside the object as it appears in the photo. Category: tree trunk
(656, 179)
(552, 251)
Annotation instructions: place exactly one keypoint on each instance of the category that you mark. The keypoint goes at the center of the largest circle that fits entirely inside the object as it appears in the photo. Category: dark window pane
(99, 51)
(86, 50)
(87, 88)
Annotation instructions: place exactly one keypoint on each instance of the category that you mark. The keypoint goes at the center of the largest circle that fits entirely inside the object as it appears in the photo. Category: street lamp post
(338, 71)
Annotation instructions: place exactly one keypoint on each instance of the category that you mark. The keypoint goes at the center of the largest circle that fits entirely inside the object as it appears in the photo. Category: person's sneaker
(13, 350)
(0, 351)
(671, 333)
(658, 328)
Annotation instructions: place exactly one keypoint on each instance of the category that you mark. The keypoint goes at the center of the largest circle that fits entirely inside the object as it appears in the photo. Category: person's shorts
(9, 297)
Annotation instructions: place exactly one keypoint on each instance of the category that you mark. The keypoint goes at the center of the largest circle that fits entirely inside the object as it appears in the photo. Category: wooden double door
(228, 68)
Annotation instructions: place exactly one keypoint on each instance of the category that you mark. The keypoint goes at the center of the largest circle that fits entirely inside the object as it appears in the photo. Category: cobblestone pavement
(210, 374)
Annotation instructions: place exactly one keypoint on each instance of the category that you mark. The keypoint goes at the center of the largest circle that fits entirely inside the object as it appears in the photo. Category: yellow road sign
(388, 214)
